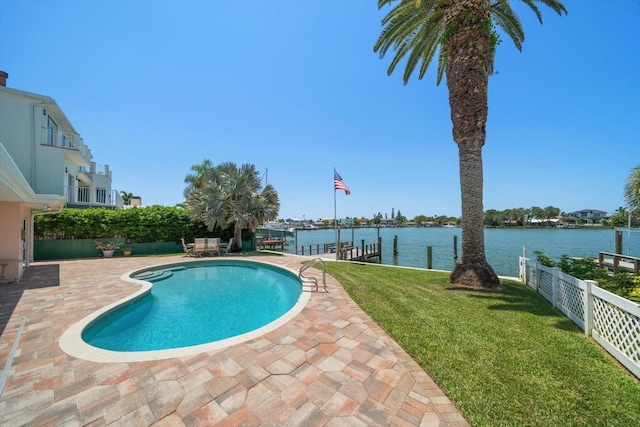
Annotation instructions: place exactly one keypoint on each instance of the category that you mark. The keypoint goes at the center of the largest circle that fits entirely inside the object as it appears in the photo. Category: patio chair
(200, 246)
(188, 248)
(213, 245)
(226, 247)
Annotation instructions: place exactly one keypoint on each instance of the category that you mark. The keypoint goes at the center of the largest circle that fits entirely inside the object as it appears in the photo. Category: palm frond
(632, 189)
(505, 18)
(408, 29)
(413, 30)
(553, 4)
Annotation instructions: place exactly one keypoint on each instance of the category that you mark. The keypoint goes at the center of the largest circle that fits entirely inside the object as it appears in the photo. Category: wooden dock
(272, 244)
(347, 250)
(618, 262)
(363, 252)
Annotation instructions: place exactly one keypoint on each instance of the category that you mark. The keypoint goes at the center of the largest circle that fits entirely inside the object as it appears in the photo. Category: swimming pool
(189, 308)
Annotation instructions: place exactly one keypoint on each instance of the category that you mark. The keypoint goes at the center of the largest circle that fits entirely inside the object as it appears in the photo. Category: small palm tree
(464, 33)
(196, 179)
(226, 194)
(126, 197)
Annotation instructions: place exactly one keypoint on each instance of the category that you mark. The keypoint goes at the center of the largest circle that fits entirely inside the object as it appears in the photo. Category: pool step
(154, 275)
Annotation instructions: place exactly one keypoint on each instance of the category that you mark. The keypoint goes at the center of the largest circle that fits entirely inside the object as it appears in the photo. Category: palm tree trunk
(237, 238)
(470, 60)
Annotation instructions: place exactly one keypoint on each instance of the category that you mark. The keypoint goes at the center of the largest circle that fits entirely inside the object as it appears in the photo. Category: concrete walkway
(331, 365)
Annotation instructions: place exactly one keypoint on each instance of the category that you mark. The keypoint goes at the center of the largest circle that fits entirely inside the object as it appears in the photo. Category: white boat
(276, 230)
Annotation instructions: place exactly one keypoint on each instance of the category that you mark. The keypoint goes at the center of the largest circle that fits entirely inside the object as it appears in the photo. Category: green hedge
(86, 248)
(148, 230)
(135, 225)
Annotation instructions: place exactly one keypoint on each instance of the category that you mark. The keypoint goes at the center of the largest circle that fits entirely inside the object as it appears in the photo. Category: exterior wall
(50, 179)
(16, 132)
(53, 178)
(102, 180)
(11, 245)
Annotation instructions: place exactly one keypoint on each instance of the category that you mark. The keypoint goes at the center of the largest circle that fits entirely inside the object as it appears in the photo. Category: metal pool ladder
(313, 280)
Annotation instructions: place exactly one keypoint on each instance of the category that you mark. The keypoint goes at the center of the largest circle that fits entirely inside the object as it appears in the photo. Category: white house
(590, 216)
(346, 222)
(387, 222)
(44, 166)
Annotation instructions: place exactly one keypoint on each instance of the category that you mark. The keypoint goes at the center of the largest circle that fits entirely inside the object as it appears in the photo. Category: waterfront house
(387, 222)
(589, 216)
(346, 222)
(44, 166)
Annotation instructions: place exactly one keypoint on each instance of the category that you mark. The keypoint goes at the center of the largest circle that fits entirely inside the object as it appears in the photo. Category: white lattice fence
(544, 281)
(613, 321)
(616, 327)
(570, 298)
(528, 272)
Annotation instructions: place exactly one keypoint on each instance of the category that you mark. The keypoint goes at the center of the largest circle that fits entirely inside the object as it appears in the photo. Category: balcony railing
(66, 140)
(93, 197)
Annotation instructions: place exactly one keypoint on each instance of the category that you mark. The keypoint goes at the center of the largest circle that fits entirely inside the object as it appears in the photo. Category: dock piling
(618, 242)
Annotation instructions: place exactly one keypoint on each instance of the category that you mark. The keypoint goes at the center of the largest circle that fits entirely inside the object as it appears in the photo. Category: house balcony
(75, 148)
(92, 197)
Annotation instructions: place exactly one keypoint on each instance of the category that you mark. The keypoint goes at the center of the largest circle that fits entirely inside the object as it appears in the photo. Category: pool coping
(71, 341)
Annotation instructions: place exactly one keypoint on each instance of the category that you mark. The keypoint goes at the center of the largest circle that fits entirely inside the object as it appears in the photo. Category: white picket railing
(612, 321)
(92, 196)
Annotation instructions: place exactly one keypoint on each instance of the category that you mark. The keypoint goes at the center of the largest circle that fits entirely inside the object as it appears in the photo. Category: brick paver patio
(331, 365)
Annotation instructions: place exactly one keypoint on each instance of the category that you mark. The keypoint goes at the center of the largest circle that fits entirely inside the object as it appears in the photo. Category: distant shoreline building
(590, 216)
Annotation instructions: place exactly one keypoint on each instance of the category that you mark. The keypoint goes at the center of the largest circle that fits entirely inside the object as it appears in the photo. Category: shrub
(136, 225)
(624, 284)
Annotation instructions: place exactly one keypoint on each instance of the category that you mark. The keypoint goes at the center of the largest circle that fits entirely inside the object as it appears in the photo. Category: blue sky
(294, 87)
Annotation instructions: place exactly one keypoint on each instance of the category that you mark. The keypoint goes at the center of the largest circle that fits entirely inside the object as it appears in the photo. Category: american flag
(339, 184)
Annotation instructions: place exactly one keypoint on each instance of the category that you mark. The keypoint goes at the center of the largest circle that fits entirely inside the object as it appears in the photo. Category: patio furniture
(225, 247)
(213, 245)
(200, 246)
(187, 247)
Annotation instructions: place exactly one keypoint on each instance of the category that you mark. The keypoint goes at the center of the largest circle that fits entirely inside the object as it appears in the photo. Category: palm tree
(465, 33)
(224, 195)
(126, 197)
(632, 190)
(196, 179)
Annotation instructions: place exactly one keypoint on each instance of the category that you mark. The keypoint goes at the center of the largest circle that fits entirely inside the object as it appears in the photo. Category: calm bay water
(503, 246)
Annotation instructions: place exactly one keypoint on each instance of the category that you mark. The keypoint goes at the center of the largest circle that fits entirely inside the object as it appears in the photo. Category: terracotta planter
(108, 254)
(126, 253)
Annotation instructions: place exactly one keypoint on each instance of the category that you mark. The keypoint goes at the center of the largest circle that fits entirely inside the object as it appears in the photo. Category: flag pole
(335, 216)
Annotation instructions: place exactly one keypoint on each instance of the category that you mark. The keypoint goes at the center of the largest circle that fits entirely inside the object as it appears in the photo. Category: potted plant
(106, 248)
(126, 250)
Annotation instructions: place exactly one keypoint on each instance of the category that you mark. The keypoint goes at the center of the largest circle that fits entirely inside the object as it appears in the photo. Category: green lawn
(506, 358)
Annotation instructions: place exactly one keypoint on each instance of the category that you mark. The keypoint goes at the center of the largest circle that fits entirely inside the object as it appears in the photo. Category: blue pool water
(196, 303)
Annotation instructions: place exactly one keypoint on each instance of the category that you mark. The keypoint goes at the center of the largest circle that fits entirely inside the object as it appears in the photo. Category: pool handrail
(309, 279)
